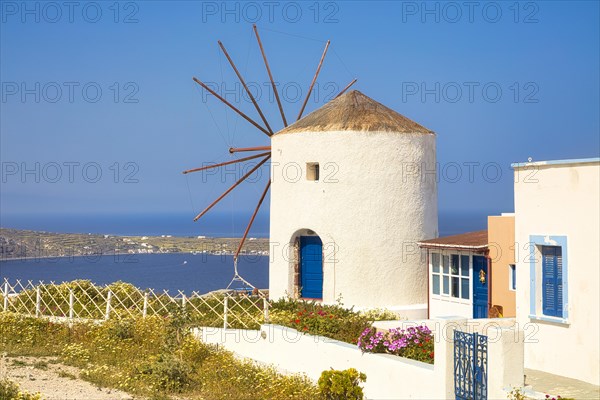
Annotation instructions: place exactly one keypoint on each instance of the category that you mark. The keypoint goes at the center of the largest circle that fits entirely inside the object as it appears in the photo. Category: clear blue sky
(542, 56)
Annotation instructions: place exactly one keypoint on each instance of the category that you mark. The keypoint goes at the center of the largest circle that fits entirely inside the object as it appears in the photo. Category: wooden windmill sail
(262, 153)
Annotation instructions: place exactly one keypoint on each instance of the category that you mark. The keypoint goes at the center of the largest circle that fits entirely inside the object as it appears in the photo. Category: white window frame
(441, 274)
(534, 258)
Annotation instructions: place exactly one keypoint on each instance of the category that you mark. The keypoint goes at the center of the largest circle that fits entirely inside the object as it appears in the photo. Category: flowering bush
(11, 390)
(332, 321)
(415, 342)
(144, 356)
(371, 341)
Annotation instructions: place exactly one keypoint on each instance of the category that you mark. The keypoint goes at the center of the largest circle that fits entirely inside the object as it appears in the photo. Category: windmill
(262, 153)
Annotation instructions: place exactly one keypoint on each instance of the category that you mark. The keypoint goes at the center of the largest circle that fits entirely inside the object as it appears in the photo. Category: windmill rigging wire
(229, 144)
(187, 182)
(343, 64)
(242, 92)
(293, 35)
(212, 117)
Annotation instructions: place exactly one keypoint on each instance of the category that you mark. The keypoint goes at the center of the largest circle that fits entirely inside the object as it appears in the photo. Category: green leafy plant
(10, 390)
(145, 357)
(380, 314)
(516, 394)
(341, 385)
(332, 321)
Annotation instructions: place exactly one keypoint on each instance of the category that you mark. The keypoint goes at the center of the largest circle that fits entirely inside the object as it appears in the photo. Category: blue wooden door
(311, 267)
(480, 287)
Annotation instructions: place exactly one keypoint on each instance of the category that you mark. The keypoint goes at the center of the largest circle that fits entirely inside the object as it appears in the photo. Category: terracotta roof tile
(474, 240)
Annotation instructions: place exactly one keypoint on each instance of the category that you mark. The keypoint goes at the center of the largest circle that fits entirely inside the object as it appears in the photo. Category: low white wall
(388, 377)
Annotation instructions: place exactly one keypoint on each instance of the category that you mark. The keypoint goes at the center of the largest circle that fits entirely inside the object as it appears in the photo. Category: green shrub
(146, 357)
(380, 314)
(9, 390)
(341, 385)
(167, 373)
(333, 321)
(22, 335)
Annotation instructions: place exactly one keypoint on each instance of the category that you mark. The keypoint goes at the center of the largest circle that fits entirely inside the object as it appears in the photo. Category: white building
(353, 190)
(459, 276)
(557, 240)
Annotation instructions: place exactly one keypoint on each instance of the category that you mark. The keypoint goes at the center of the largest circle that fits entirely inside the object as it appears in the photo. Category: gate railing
(470, 366)
(83, 300)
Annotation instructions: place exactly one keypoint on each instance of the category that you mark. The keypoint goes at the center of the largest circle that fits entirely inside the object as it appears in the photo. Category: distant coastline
(33, 258)
(16, 244)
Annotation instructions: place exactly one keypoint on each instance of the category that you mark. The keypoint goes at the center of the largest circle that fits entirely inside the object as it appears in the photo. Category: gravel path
(41, 374)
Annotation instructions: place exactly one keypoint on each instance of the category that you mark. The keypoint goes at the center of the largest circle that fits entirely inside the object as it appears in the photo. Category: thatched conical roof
(353, 111)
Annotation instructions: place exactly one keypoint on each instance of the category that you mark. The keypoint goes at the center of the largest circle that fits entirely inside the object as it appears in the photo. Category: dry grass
(354, 111)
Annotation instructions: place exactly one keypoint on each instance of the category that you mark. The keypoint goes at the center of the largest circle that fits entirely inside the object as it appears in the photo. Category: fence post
(145, 310)
(71, 303)
(183, 301)
(108, 298)
(225, 313)
(5, 295)
(266, 310)
(38, 301)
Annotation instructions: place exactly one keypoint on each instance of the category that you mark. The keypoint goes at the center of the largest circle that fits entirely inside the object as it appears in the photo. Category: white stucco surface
(376, 196)
(561, 199)
(388, 376)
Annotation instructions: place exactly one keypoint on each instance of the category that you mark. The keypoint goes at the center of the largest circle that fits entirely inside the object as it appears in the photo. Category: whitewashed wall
(561, 199)
(388, 377)
(372, 202)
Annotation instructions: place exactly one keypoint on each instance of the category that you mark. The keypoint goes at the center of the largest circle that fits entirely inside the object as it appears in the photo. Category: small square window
(312, 171)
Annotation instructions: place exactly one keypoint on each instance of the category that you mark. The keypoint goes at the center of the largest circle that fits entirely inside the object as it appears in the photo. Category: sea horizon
(218, 225)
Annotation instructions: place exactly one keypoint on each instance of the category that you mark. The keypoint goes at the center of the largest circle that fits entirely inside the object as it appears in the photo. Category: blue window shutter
(552, 301)
(559, 281)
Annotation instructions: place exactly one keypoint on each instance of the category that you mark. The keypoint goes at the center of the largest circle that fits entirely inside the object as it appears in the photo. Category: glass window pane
(454, 264)
(513, 277)
(455, 286)
(446, 285)
(436, 284)
(446, 260)
(464, 265)
(464, 288)
(435, 262)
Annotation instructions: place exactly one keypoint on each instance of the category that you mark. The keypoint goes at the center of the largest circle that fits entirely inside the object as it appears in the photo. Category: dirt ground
(53, 380)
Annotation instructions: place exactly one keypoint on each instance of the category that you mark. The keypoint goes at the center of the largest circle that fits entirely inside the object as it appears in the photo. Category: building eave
(475, 249)
(555, 162)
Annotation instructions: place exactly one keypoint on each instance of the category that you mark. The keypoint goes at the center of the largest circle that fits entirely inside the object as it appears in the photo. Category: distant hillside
(22, 243)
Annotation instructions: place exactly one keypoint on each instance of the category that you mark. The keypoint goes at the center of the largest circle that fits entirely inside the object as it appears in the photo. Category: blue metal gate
(470, 366)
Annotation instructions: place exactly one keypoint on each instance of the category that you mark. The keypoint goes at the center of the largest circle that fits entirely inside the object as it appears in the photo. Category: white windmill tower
(353, 189)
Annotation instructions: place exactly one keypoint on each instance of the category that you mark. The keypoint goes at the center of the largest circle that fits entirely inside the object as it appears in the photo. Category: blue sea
(185, 272)
(213, 224)
(173, 272)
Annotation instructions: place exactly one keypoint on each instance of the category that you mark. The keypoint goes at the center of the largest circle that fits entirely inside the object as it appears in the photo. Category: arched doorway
(311, 267)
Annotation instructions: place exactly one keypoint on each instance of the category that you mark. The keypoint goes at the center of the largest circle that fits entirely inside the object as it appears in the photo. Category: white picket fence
(82, 300)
